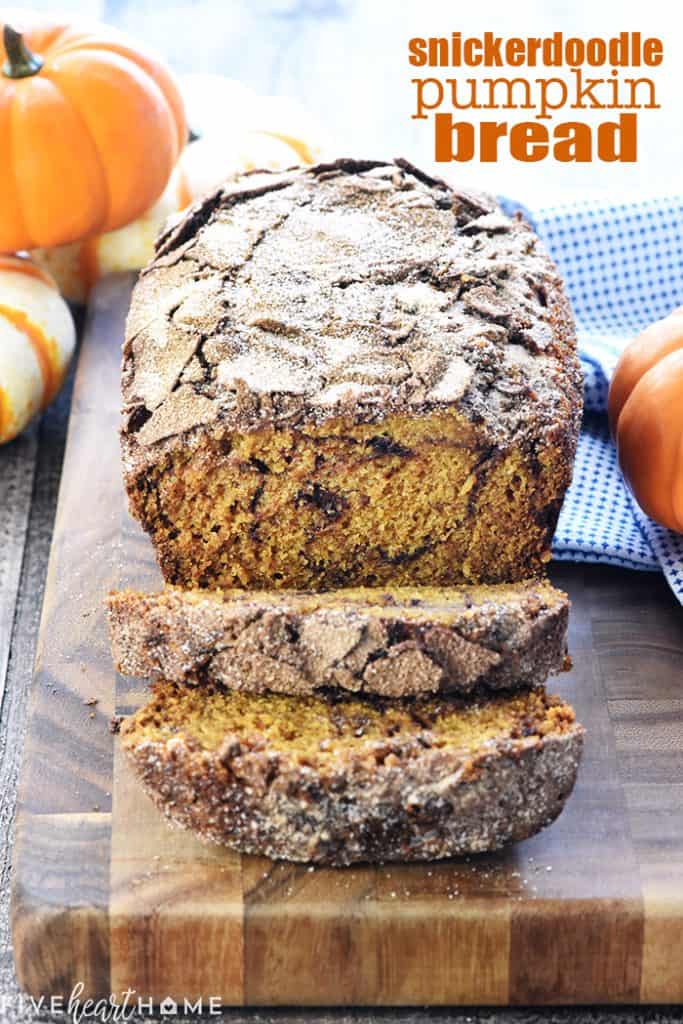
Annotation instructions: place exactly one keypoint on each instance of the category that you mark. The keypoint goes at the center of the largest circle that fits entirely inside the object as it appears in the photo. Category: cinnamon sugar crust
(347, 780)
(399, 642)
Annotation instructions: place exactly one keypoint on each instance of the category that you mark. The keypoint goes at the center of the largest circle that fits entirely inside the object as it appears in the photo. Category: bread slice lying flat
(396, 642)
(354, 779)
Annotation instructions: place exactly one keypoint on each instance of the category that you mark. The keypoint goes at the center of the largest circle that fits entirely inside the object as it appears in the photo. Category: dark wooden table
(324, 52)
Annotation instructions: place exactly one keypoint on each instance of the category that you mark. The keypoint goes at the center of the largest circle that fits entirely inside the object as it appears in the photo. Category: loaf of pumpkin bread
(353, 779)
(345, 375)
(398, 642)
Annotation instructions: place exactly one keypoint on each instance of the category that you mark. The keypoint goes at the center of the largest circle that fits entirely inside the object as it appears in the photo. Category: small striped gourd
(37, 339)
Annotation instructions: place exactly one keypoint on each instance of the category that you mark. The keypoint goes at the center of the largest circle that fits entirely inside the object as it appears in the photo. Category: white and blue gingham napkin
(622, 264)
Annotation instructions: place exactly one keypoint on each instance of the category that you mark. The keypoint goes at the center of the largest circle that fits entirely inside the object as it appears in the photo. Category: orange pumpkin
(646, 419)
(247, 131)
(90, 130)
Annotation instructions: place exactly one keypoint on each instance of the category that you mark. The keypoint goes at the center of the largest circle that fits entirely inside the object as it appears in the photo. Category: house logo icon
(168, 1008)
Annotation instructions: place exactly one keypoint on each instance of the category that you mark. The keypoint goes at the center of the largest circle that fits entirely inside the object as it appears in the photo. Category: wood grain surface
(327, 54)
(105, 893)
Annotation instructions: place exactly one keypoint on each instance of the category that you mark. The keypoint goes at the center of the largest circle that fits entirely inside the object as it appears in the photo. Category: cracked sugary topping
(335, 782)
(395, 643)
(358, 288)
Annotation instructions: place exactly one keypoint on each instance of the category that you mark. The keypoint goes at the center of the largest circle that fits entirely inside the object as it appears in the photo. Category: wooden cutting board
(107, 895)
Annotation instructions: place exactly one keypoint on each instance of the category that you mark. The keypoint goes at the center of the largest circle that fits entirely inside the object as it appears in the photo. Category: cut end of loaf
(328, 732)
(410, 501)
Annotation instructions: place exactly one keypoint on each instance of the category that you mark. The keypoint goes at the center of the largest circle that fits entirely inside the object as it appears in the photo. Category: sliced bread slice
(396, 642)
(351, 779)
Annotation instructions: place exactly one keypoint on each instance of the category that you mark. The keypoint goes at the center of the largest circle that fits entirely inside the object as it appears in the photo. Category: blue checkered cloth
(622, 264)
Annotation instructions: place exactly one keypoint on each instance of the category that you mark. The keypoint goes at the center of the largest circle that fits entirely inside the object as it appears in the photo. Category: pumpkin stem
(20, 63)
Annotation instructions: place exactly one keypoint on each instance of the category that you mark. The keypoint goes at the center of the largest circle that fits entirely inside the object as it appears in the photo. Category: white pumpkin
(216, 105)
(207, 163)
(37, 340)
(238, 131)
